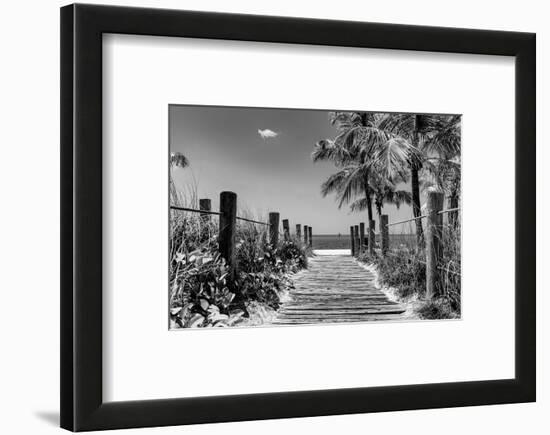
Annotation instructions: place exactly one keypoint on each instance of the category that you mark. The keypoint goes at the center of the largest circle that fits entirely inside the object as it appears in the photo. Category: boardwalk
(335, 288)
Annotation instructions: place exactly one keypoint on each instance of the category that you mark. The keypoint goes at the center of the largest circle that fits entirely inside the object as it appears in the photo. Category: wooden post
(309, 230)
(352, 238)
(286, 229)
(206, 205)
(452, 217)
(305, 234)
(372, 240)
(384, 231)
(226, 239)
(434, 233)
(357, 240)
(362, 237)
(298, 232)
(274, 228)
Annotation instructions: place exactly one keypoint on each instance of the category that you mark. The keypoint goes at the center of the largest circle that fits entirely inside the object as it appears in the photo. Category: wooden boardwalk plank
(336, 289)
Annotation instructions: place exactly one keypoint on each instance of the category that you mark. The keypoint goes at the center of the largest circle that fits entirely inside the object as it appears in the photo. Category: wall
(29, 221)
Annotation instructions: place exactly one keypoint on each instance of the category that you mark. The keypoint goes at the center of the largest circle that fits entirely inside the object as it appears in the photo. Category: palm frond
(344, 120)
(334, 183)
(327, 150)
(394, 156)
(356, 183)
(346, 183)
(399, 124)
(399, 197)
(445, 140)
(178, 160)
(359, 205)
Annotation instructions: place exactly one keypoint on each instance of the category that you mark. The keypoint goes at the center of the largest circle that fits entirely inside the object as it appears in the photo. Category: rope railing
(253, 221)
(217, 213)
(227, 226)
(423, 216)
(174, 207)
(429, 243)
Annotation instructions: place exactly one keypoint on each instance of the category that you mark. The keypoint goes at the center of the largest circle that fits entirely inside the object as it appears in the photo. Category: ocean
(342, 241)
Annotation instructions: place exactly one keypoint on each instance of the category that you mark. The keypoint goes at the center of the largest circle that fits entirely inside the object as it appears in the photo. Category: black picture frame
(82, 406)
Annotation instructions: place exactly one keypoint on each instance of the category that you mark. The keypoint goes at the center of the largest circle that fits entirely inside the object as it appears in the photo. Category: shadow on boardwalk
(334, 289)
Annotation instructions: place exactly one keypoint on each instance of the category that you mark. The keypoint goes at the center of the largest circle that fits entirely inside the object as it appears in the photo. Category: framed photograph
(268, 217)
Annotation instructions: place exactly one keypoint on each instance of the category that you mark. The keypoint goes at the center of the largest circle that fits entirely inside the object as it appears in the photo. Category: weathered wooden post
(274, 228)
(434, 233)
(372, 240)
(352, 238)
(228, 224)
(310, 236)
(305, 235)
(298, 232)
(357, 240)
(452, 217)
(362, 237)
(286, 229)
(384, 231)
(205, 205)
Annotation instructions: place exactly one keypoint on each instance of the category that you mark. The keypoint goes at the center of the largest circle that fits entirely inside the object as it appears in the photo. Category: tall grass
(404, 269)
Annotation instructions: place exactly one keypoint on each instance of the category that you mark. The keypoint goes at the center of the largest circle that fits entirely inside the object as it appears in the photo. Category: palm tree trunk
(364, 122)
(379, 211)
(366, 187)
(415, 186)
(369, 203)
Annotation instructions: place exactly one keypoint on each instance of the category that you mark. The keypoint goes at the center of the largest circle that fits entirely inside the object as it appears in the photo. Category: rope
(449, 210)
(194, 210)
(423, 216)
(173, 207)
(253, 221)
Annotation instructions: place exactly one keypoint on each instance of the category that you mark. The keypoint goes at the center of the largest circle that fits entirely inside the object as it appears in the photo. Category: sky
(264, 156)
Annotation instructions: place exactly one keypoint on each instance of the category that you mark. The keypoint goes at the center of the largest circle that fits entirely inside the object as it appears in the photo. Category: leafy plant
(200, 292)
(200, 295)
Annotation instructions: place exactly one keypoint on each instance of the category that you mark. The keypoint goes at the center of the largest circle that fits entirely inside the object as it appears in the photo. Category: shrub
(293, 254)
(404, 270)
(200, 295)
(436, 309)
(200, 292)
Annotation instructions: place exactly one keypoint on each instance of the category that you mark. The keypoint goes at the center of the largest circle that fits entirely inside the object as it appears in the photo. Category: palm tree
(384, 192)
(412, 128)
(427, 134)
(399, 145)
(360, 146)
(352, 178)
(177, 160)
(442, 166)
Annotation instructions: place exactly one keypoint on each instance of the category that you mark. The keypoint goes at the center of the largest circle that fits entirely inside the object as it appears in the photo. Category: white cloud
(267, 133)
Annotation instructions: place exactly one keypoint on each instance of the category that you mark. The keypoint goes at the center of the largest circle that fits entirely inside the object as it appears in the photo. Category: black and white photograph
(297, 216)
(275, 217)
